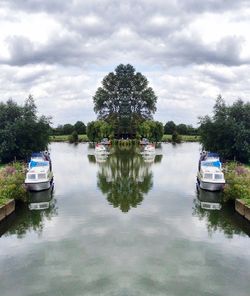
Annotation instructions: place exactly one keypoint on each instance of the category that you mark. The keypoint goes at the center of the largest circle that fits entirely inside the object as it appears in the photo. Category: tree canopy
(21, 130)
(125, 99)
(228, 130)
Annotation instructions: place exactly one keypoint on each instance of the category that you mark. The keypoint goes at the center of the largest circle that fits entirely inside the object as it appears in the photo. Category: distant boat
(100, 149)
(210, 175)
(149, 149)
(39, 175)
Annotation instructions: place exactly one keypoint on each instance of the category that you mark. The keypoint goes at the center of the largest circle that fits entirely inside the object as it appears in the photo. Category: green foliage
(169, 127)
(238, 182)
(228, 131)
(99, 129)
(124, 100)
(176, 138)
(80, 128)
(12, 183)
(152, 130)
(181, 129)
(21, 131)
(73, 138)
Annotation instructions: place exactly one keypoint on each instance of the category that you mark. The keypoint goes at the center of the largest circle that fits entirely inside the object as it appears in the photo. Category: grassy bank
(184, 138)
(65, 138)
(84, 138)
(238, 182)
(12, 183)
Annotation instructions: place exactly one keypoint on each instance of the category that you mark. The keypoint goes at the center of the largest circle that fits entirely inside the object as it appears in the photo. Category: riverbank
(238, 187)
(65, 138)
(11, 187)
(84, 138)
(183, 138)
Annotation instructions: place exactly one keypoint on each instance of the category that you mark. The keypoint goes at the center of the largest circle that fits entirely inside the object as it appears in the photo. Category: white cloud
(59, 52)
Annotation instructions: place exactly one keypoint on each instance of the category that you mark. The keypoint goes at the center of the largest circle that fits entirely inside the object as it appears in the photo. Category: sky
(59, 51)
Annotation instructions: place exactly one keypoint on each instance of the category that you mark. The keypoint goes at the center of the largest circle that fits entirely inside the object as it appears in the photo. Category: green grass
(84, 138)
(65, 138)
(184, 138)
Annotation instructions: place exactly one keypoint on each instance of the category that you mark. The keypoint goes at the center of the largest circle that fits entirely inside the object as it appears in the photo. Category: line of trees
(99, 129)
(228, 130)
(67, 129)
(170, 128)
(21, 130)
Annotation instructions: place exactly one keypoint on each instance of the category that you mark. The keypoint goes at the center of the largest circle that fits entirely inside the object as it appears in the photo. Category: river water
(125, 225)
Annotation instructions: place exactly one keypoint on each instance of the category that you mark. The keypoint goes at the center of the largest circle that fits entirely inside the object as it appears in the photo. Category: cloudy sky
(59, 51)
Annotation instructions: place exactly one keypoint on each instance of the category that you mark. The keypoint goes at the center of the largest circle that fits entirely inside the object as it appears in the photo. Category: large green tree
(125, 99)
(228, 130)
(21, 130)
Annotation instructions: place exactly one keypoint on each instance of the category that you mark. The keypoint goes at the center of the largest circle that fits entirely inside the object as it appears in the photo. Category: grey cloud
(192, 50)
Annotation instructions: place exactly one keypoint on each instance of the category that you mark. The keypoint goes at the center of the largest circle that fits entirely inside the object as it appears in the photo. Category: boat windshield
(41, 176)
(31, 176)
(218, 176)
(208, 176)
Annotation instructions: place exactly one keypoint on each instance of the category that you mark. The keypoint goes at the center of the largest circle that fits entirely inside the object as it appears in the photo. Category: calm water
(125, 226)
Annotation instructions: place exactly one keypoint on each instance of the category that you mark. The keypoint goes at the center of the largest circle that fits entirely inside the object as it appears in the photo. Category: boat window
(31, 176)
(208, 176)
(218, 176)
(41, 176)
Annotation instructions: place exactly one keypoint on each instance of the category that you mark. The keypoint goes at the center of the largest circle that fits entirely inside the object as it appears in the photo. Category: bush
(73, 138)
(12, 183)
(238, 182)
(176, 138)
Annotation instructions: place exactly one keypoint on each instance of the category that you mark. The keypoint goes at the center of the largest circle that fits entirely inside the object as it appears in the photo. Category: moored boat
(39, 175)
(100, 149)
(149, 149)
(210, 175)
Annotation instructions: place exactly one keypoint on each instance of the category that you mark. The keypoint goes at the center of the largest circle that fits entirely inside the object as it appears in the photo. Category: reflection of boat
(144, 141)
(100, 149)
(39, 176)
(105, 141)
(210, 176)
(209, 200)
(40, 200)
(101, 158)
(149, 149)
(149, 158)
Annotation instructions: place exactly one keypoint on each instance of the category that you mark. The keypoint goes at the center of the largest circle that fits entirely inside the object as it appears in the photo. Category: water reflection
(209, 200)
(31, 216)
(219, 216)
(40, 200)
(124, 177)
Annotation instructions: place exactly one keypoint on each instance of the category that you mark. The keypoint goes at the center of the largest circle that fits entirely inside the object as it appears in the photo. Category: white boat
(149, 149)
(39, 176)
(210, 175)
(100, 149)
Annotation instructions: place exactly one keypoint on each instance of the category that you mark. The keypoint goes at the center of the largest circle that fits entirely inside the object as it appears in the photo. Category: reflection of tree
(124, 178)
(226, 219)
(25, 220)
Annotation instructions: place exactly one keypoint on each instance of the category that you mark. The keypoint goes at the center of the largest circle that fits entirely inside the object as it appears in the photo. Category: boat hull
(38, 186)
(210, 186)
